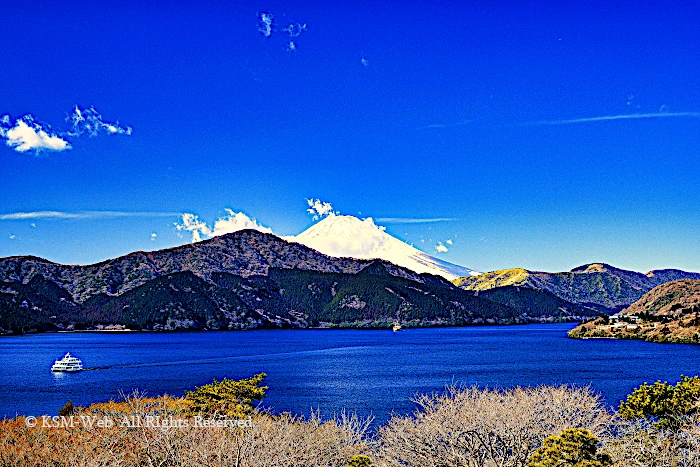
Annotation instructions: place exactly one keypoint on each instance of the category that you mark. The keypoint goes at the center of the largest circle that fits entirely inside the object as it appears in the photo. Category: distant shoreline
(317, 328)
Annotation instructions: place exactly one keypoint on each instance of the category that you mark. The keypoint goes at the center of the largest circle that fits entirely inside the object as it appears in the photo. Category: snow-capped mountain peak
(347, 236)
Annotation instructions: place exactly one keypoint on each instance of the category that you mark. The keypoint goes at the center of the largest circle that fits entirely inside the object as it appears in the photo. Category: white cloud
(266, 26)
(295, 29)
(235, 221)
(445, 125)
(191, 223)
(414, 220)
(320, 209)
(90, 121)
(615, 117)
(232, 222)
(153, 236)
(12, 236)
(81, 215)
(29, 135)
(448, 241)
(265, 23)
(440, 248)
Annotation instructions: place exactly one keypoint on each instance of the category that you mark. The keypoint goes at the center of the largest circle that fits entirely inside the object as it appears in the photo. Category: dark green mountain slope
(35, 306)
(537, 303)
(291, 298)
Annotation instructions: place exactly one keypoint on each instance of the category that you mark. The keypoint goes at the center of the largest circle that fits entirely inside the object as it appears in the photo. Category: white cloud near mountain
(231, 222)
(334, 235)
(320, 209)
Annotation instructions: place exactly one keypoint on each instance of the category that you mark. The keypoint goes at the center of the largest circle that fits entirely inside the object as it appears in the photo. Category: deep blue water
(370, 372)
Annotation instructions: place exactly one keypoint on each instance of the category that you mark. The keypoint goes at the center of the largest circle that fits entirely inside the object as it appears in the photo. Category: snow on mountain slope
(348, 236)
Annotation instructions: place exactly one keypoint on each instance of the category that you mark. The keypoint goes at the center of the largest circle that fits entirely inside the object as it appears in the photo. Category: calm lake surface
(370, 372)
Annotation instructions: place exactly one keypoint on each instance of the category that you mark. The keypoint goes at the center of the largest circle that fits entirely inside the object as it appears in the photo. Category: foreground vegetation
(563, 426)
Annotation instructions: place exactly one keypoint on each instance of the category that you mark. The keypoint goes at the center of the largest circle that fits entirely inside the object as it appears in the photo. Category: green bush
(360, 461)
(575, 447)
(664, 402)
(227, 397)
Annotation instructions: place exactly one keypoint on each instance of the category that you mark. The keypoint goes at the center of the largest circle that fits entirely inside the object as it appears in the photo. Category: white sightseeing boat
(68, 363)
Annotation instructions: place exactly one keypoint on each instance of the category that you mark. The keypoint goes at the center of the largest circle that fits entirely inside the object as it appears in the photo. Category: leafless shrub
(641, 443)
(267, 441)
(472, 427)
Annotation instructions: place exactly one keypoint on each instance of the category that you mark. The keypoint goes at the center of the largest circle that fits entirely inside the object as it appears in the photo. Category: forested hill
(244, 253)
(243, 280)
(597, 285)
(667, 313)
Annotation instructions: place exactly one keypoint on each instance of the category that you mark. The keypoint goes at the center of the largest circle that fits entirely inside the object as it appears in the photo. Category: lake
(371, 372)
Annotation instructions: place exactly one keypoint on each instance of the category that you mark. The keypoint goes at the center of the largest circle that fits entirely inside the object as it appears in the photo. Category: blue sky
(553, 135)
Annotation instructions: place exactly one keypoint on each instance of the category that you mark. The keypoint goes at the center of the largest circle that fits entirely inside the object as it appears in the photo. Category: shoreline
(316, 328)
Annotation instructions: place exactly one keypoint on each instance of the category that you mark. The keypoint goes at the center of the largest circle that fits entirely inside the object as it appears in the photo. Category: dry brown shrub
(640, 443)
(283, 440)
(472, 427)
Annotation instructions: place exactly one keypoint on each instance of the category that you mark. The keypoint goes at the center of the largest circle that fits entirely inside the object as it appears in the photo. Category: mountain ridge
(284, 298)
(597, 285)
(245, 253)
(248, 280)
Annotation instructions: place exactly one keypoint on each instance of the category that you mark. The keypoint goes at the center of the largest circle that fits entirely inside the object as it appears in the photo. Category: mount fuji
(347, 236)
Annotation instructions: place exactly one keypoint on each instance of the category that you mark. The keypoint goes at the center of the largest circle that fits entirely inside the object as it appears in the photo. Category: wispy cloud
(266, 26)
(411, 220)
(90, 121)
(606, 118)
(444, 125)
(58, 215)
(295, 29)
(265, 23)
(231, 222)
(28, 134)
